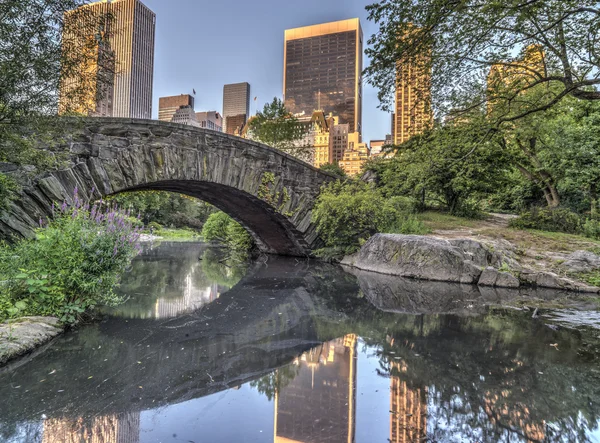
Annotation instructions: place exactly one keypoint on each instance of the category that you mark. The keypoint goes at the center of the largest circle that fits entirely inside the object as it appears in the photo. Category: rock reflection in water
(297, 352)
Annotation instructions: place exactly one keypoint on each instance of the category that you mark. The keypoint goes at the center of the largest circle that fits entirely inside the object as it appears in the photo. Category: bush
(591, 229)
(155, 226)
(408, 224)
(556, 220)
(222, 228)
(348, 213)
(215, 228)
(404, 205)
(70, 267)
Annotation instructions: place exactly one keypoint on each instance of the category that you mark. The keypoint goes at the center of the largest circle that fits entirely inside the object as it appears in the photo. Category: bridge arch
(267, 191)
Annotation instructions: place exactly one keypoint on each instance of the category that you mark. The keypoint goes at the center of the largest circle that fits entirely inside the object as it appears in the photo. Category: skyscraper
(167, 106)
(236, 106)
(322, 67)
(413, 99)
(129, 28)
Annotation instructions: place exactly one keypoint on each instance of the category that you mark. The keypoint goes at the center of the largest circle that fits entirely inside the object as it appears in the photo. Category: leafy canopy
(277, 127)
(463, 39)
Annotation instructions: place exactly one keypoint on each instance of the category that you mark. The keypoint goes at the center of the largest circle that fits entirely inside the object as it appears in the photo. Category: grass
(177, 234)
(443, 221)
(542, 240)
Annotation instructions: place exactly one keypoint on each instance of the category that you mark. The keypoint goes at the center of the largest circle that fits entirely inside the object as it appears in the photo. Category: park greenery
(458, 42)
(221, 228)
(72, 264)
(162, 209)
(277, 127)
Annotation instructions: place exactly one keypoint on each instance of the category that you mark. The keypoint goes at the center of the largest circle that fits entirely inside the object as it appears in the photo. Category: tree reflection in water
(299, 334)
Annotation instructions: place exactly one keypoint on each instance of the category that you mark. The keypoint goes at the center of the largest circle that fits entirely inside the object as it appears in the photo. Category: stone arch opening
(272, 232)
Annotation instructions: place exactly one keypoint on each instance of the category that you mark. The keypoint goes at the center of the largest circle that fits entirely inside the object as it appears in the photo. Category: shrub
(155, 226)
(215, 228)
(557, 220)
(408, 224)
(222, 228)
(347, 213)
(404, 205)
(71, 266)
(591, 229)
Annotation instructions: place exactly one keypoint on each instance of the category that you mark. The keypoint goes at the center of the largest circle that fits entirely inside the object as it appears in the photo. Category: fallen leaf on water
(53, 372)
(140, 387)
(91, 376)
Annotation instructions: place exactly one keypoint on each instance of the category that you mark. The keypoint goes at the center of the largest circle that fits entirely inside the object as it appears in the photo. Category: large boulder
(492, 277)
(581, 261)
(414, 256)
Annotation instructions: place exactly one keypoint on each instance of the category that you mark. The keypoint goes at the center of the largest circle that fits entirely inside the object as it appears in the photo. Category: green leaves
(277, 127)
(464, 39)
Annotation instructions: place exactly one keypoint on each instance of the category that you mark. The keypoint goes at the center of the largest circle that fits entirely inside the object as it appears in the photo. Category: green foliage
(277, 127)
(591, 229)
(348, 213)
(166, 208)
(333, 168)
(456, 42)
(556, 220)
(407, 224)
(221, 228)
(71, 266)
(452, 165)
(215, 228)
(155, 226)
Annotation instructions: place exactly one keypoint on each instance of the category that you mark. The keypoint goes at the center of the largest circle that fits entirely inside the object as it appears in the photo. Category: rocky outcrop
(17, 337)
(456, 260)
(581, 261)
(414, 256)
(492, 277)
(554, 281)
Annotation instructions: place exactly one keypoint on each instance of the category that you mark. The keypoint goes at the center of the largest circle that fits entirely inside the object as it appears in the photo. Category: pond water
(285, 350)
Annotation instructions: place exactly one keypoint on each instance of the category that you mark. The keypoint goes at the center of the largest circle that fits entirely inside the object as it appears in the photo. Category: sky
(205, 44)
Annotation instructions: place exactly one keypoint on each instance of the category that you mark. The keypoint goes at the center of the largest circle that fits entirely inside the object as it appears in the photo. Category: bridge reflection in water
(297, 352)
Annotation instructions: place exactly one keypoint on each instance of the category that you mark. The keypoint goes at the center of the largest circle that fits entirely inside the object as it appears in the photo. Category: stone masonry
(110, 155)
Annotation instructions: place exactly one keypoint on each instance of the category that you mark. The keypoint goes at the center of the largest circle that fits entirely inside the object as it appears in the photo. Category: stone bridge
(267, 191)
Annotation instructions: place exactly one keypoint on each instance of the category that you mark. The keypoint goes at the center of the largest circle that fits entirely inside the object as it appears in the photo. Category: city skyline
(249, 51)
(124, 62)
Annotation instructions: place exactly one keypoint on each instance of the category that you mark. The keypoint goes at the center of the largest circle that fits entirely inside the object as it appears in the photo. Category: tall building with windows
(413, 113)
(167, 106)
(322, 67)
(210, 120)
(125, 57)
(236, 106)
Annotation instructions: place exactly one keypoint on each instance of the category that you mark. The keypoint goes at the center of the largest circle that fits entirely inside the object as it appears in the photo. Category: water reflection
(319, 403)
(297, 352)
(175, 278)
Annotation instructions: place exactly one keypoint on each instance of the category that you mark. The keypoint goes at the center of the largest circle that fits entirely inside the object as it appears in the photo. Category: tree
(453, 165)
(333, 168)
(464, 39)
(33, 59)
(277, 127)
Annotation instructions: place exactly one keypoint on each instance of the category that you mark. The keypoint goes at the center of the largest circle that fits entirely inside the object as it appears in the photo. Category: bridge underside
(272, 232)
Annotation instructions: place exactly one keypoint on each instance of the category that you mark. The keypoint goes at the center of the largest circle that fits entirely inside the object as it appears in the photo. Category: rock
(492, 277)
(22, 335)
(581, 261)
(553, 281)
(416, 256)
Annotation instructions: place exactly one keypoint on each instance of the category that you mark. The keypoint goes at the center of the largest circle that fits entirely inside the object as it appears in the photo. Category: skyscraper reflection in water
(319, 404)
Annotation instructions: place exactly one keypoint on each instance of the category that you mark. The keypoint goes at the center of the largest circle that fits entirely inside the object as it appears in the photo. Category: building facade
(322, 70)
(210, 120)
(413, 113)
(236, 103)
(167, 106)
(354, 155)
(125, 58)
(185, 115)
